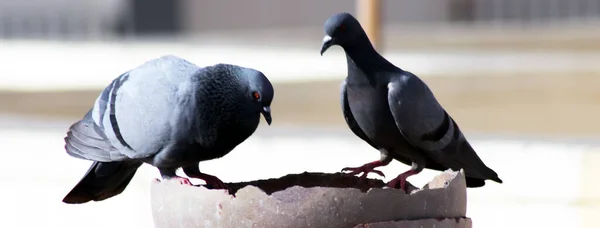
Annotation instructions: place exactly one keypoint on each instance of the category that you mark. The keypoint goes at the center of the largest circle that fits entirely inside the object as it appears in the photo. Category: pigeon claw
(400, 181)
(365, 170)
(213, 182)
(183, 180)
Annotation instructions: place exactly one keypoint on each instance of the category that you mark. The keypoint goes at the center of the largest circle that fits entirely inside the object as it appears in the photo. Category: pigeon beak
(266, 111)
(327, 42)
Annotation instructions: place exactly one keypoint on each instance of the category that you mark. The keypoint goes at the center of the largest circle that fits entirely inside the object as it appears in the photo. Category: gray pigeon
(395, 112)
(168, 113)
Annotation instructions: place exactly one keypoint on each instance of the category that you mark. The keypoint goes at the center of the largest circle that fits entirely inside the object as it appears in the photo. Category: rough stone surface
(311, 200)
(422, 223)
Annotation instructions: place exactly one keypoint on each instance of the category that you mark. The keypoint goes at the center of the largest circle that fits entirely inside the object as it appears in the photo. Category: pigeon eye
(342, 27)
(256, 95)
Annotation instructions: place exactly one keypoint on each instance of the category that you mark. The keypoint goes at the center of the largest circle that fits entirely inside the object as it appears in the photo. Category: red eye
(256, 95)
(342, 27)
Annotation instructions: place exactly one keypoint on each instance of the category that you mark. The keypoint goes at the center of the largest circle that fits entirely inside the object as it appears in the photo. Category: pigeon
(395, 112)
(168, 113)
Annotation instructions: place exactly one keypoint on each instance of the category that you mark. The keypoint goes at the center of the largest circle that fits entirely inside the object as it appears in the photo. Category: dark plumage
(395, 112)
(168, 113)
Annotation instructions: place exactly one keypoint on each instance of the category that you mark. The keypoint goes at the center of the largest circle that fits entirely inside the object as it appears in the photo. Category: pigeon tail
(475, 170)
(476, 182)
(102, 181)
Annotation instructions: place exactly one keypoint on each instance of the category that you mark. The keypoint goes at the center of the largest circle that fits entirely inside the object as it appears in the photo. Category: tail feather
(474, 182)
(103, 180)
(476, 171)
(459, 154)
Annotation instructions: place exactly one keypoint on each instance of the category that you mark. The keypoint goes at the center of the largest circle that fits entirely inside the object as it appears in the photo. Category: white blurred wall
(97, 19)
(58, 18)
(546, 184)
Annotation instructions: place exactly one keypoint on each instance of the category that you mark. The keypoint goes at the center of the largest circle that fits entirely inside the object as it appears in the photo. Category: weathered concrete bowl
(313, 200)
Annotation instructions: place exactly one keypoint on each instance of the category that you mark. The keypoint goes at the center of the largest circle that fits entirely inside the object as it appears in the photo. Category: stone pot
(313, 200)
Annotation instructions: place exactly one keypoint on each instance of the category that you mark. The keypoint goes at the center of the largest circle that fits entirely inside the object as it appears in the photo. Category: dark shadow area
(308, 180)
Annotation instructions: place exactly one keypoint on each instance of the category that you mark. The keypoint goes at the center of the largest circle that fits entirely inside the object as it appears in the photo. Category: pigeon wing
(427, 126)
(135, 114)
(143, 112)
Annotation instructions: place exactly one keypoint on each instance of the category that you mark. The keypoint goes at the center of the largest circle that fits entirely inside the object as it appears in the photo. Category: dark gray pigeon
(168, 113)
(395, 112)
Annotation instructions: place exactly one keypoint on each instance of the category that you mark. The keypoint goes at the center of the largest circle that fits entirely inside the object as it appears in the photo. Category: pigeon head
(260, 92)
(341, 29)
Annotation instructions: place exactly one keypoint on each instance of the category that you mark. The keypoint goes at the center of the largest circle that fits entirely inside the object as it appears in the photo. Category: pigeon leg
(214, 182)
(369, 167)
(400, 181)
(169, 174)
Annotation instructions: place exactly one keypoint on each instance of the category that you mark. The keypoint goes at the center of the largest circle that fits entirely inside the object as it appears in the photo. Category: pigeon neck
(362, 55)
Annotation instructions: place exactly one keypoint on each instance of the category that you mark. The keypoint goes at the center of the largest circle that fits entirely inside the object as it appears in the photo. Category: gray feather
(418, 115)
(154, 88)
(86, 140)
(395, 111)
(427, 126)
(349, 118)
(168, 113)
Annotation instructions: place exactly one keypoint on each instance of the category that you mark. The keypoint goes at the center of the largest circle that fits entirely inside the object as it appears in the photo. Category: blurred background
(519, 76)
